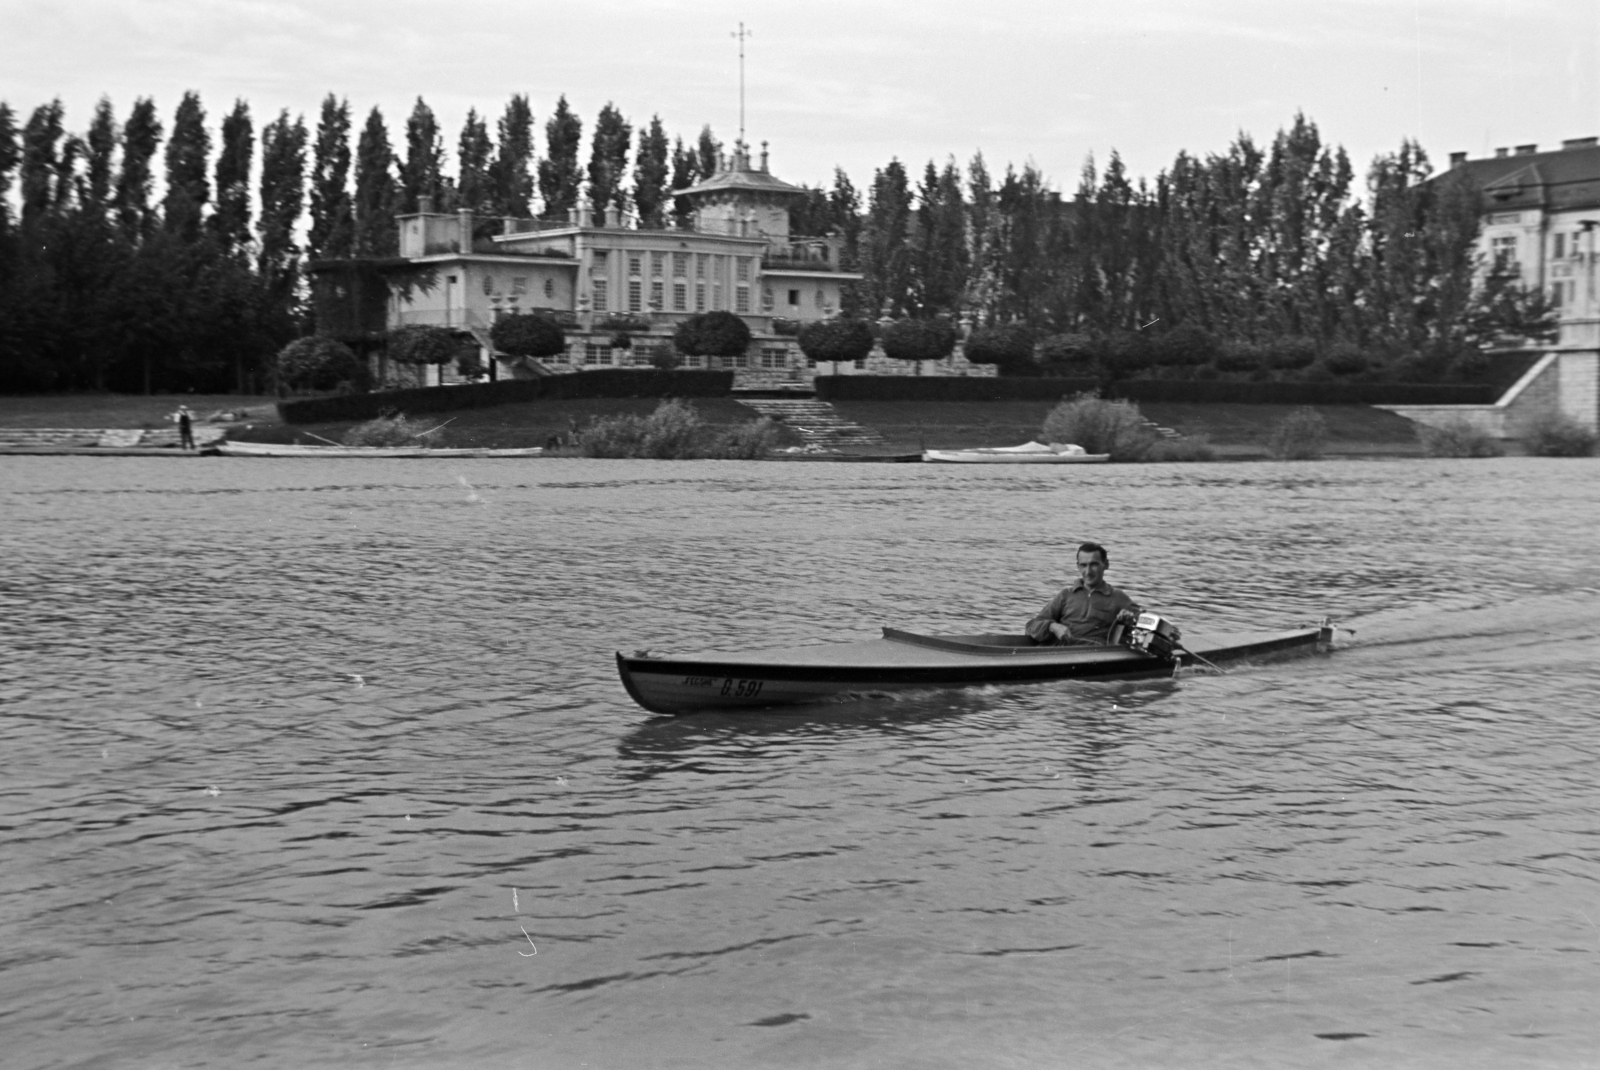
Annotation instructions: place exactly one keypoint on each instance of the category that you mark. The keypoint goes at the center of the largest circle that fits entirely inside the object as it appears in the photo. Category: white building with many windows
(622, 290)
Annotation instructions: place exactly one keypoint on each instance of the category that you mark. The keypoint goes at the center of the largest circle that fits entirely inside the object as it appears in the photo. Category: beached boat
(1027, 453)
(902, 661)
(276, 449)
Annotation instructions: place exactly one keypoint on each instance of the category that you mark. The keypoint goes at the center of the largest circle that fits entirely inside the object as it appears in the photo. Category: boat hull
(1000, 457)
(903, 661)
(272, 449)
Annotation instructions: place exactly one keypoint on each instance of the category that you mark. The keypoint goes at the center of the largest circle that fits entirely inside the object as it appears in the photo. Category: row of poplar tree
(103, 286)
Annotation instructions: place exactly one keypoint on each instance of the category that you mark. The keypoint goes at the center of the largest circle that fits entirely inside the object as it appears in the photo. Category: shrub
(469, 363)
(1240, 357)
(1457, 438)
(1008, 346)
(747, 441)
(1187, 344)
(666, 358)
(1345, 359)
(1554, 434)
(1069, 355)
(712, 334)
(1292, 354)
(396, 430)
(840, 339)
(317, 362)
(423, 344)
(528, 334)
(1100, 426)
(1300, 436)
(1126, 353)
(674, 431)
(918, 340)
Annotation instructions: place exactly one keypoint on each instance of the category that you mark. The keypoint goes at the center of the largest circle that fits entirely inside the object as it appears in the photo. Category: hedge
(601, 383)
(945, 388)
(957, 388)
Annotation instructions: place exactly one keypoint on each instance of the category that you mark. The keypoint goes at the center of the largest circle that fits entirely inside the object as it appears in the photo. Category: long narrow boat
(277, 449)
(1027, 453)
(902, 661)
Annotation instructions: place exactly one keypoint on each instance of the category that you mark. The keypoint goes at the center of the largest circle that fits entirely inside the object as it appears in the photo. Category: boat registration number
(732, 686)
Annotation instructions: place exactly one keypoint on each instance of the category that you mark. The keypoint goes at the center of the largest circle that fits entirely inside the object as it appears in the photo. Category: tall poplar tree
(475, 153)
(376, 191)
(231, 220)
(685, 172)
(100, 161)
(41, 159)
(283, 178)
(650, 176)
(422, 171)
(510, 178)
(187, 187)
(885, 258)
(141, 136)
(332, 234)
(709, 151)
(608, 160)
(10, 156)
(940, 252)
(559, 174)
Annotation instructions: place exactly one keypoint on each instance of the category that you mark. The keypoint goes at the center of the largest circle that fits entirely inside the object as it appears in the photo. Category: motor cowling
(1155, 635)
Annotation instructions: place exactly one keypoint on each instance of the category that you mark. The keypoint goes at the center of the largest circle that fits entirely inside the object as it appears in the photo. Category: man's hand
(1058, 630)
(1127, 616)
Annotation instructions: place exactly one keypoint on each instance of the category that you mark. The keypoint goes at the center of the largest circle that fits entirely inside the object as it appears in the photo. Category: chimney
(464, 229)
(425, 204)
(1502, 152)
(613, 217)
(1579, 143)
(764, 158)
(1527, 150)
(1457, 159)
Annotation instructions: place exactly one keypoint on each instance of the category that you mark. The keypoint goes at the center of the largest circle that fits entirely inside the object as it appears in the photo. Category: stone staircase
(817, 422)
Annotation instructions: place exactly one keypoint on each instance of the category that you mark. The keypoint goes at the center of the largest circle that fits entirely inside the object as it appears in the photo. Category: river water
(326, 764)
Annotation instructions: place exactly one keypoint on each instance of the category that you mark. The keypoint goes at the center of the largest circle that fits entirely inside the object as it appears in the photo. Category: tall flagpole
(741, 35)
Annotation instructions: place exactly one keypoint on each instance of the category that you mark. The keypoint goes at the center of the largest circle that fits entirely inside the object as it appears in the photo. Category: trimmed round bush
(712, 334)
(918, 340)
(317, 362)
(1127, 353)
(422, 344)
(528, 334)
(835, 340)
(1240, 357)
(1292, 354)
(1008, 346)
(1345, 359)
(1187, 345)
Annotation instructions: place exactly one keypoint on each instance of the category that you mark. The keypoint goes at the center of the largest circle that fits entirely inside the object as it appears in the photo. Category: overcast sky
(831, 82)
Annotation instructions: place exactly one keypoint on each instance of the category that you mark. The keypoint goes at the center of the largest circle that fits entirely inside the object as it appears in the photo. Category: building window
(741, 299)
(1560, 243)
(488, 285)
(596, 353)
(680, 297)
(643, 351)
(549, 287)
(766, 299)
(742, 268)
(1504, 252)
(657, 294)
(601, 298)
(599, 256)
(657, 261)
(861, 365)
(519, 284)
(774, 357)
(716, 296)
(680, 265)
(822, 299)
(794, 298)
(691, 361)
(700, 265)
(635, 265)
(741, 360)
(635, 295)
(699, 297)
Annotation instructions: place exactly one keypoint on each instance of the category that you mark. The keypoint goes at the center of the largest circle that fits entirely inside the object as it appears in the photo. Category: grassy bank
(1235, 431)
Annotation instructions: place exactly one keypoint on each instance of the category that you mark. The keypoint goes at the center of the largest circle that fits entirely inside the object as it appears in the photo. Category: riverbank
(1236, 431)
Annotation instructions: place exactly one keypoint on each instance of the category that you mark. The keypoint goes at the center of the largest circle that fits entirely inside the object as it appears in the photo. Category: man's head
(1092, 562)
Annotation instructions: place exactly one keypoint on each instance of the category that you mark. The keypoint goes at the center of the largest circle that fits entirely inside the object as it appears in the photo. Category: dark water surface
(302, 760)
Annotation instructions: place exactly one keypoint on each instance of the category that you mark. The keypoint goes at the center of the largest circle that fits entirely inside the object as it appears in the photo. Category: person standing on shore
(1085, 611)
(185, 420)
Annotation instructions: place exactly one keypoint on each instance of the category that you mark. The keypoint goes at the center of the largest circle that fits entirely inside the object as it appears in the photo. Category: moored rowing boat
(1027, 453)
(905, 661)
(276, 449)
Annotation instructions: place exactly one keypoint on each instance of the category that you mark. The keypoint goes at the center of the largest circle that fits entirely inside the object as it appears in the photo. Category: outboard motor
(1154, 635)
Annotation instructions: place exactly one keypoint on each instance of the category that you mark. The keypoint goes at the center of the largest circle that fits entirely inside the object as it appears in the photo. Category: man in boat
(1084, 612)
